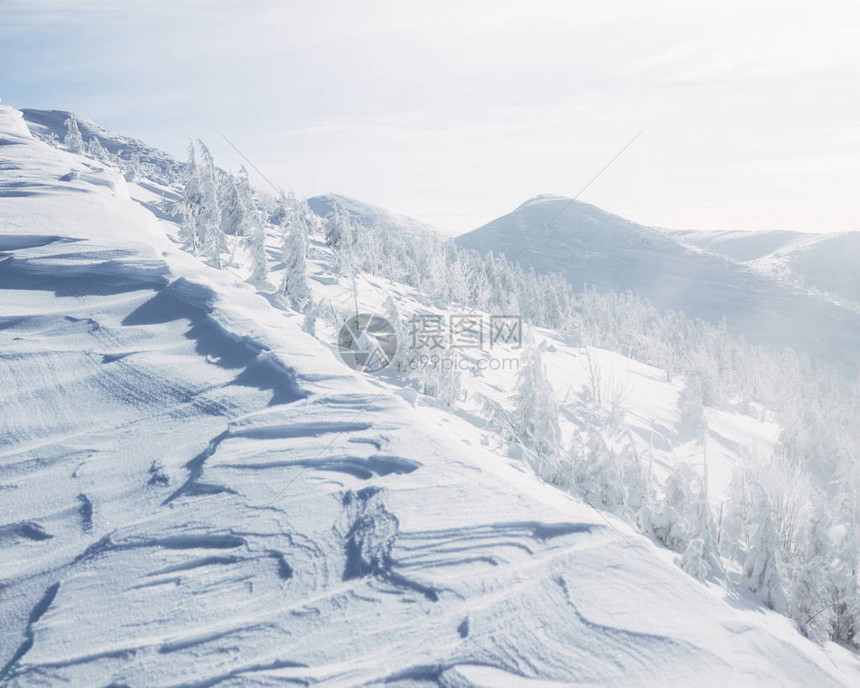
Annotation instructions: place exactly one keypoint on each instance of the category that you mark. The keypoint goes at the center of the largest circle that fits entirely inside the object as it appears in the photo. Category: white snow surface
(195, 492)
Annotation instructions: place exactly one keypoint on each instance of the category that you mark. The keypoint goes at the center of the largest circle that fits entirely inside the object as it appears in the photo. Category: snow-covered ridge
(367, 215)
(826, 263)
(594, 249)
(51, 124)
(196, 492)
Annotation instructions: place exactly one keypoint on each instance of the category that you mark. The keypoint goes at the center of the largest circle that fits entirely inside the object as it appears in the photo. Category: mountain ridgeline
(594, 249)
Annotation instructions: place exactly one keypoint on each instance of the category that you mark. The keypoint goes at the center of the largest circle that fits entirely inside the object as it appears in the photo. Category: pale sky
(456, 112)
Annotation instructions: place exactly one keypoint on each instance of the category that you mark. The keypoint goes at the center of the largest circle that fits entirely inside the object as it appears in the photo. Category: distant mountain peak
(592, 248)
(542, 198)
(574, 207)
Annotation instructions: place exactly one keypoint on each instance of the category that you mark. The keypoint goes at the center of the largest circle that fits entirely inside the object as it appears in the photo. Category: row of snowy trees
(820, 411)
(127, 161)
(220, 216)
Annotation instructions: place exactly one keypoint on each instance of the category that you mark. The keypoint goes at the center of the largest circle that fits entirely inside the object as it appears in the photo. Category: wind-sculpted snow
(183, 300)
(194, 492)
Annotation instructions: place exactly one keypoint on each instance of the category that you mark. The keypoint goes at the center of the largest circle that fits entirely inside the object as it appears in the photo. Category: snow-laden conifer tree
(763, 566)
(811, 604)
(251, 228)
(132, 168)
(535, 415)
(678, 490)
(73, 139)
(701, 554)
(192, 204)
(438, 377)
(213, 243)
(846, 619)
(667, 527)
(599, 474)
(607, 477)
(233, 211)
(392, 314)
(737, 522)
(335, 230)
(295, 286)
(694, 560)
(703, 545)
(96, 150)
(637, 493)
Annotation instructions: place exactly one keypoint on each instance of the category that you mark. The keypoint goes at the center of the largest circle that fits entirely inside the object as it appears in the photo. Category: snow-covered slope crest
(367, 214)
(52, 124)
(595, 249)
(194, 492)
(828, 263)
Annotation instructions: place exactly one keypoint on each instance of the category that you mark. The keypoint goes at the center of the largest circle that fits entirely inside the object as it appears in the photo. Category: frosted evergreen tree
(287, 215)
(535, 415)
(737, 524)
(573, 461)
(213, 242)
(345, 255)
(763, 568)
(278, 211)
(191, 205)
(701, 554)
(635, 481)
(295, 286)
(844, 581)
(96, 150)
(667, 527)
(440, 379)
(811, 606)
(677, 488)
(702, 527)
(335, 231)
(371, 249)
(599, 474)
(312, 314)
(73, 139)
(392, 314)
(251, 228)
(132, 168)
(233, 211)
(694, 560)
(458, 279)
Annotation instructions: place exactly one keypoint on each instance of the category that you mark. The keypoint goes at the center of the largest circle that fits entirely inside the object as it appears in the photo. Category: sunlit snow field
(195, 491)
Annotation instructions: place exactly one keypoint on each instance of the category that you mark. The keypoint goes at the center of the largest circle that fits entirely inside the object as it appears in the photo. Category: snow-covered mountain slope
(367, 214)
(195, 492)
(52, 123)
(592, 248)
(828, 263)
